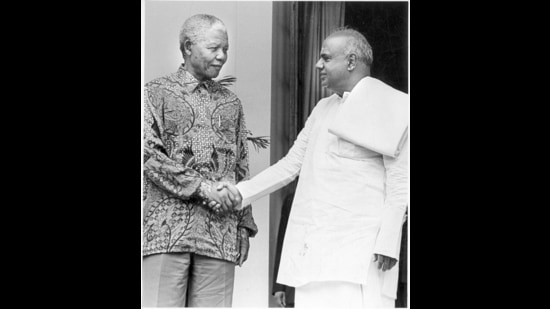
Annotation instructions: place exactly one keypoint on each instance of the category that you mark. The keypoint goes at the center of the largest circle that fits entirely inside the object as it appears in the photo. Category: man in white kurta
(350, 201)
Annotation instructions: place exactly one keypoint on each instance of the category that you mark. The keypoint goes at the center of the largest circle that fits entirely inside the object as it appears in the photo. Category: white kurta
(349, 204)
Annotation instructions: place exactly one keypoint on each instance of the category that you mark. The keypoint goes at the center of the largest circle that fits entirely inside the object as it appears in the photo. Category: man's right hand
(280, 297)
(223, 197)
(221, 201)
(233, 192)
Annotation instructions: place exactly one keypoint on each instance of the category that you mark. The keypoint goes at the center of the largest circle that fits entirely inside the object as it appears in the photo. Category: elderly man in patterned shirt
(195, 137)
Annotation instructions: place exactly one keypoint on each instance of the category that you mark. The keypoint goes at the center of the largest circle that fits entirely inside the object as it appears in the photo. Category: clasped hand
(224, 197)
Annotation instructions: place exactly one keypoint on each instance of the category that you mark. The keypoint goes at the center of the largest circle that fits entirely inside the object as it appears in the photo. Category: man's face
(333, 64)
(209, 54)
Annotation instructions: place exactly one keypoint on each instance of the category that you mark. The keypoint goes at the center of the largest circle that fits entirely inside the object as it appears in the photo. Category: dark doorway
(385, 25)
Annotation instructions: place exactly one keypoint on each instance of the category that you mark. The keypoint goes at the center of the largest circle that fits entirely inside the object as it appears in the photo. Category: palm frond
(227, 80)
(258, 141)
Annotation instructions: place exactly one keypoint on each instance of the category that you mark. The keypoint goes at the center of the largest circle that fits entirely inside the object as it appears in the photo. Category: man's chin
(213, 75)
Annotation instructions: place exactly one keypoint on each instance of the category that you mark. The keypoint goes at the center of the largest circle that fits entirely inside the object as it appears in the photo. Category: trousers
(186, 280)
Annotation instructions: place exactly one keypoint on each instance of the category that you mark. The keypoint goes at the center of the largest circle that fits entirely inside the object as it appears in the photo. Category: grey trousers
(187, 280)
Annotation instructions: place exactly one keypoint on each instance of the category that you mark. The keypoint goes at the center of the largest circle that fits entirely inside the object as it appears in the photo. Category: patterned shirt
(194, 132)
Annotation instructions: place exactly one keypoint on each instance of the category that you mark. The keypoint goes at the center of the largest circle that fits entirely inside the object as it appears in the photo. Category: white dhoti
(341, 294)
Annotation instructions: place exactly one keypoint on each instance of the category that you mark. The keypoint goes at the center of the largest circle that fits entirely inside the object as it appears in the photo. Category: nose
(222, 55)
(319, 64)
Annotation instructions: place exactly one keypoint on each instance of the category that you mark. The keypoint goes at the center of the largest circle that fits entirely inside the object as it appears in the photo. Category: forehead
(215, 34)
(334, 45)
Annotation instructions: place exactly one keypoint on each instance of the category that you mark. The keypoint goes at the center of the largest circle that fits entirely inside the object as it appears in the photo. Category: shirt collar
(190, 82)
(345, 95)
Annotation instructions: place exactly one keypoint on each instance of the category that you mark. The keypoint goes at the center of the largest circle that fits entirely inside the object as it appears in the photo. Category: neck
(199, 78)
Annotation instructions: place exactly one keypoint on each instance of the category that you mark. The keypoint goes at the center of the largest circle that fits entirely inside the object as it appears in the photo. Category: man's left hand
(384, 262)
(244, 245)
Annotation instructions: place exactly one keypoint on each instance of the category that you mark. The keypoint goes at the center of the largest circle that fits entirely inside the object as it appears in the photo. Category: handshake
(221, 197)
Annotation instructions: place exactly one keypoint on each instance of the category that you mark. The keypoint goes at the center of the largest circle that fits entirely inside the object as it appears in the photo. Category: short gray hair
(356, 44)
(194, 26)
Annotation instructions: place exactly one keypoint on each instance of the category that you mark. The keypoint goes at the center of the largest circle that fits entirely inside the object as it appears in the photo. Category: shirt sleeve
(281, 173)
(246, 220)
(395, 205)
(158, 167)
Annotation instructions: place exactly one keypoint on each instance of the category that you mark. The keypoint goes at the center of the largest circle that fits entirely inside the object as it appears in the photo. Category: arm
(281, 173)
(396, 200)
(246, 228)
(160, 169)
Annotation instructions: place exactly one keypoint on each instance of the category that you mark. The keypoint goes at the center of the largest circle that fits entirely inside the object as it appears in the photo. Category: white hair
(356, 44)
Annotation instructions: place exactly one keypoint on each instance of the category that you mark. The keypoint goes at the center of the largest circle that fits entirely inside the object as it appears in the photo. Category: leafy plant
(227, 80)
(258, 141)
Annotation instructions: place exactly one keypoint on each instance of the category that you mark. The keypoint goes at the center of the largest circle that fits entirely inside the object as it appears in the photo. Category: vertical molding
(294, 70)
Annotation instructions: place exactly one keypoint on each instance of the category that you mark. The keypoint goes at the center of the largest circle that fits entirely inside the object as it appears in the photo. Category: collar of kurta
(191, 83)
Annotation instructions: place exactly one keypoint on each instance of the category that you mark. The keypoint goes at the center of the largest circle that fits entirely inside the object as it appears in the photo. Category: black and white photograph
(276, 154)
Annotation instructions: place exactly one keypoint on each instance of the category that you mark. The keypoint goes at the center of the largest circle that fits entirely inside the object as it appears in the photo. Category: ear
(352, 62)
(187, 47)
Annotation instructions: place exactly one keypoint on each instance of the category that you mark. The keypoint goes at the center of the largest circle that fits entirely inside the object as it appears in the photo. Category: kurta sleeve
(281, 173)
(395, 205)
(158, 167)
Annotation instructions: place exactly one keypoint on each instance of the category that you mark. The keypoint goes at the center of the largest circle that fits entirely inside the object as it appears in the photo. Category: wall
(249, 59)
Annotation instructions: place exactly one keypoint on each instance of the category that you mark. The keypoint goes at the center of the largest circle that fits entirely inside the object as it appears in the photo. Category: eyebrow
(217, 45)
